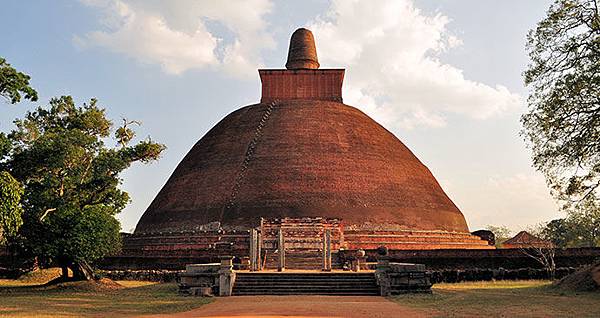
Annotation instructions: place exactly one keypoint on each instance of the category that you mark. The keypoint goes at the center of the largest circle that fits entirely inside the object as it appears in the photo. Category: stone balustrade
(399, 278)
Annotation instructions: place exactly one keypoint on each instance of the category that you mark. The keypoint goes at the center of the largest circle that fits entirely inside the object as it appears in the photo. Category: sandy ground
(300, 306)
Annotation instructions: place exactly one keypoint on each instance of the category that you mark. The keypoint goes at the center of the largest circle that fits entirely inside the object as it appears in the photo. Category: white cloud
(390, 49)
(176, 35)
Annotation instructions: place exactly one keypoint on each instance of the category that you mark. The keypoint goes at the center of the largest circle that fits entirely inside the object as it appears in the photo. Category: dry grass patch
(93, 299)
(503, 299)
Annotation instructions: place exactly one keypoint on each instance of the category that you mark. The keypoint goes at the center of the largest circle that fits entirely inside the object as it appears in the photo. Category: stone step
(308, 287)
(308, 279)
(305, 284)
(295, 292)
(325, 275)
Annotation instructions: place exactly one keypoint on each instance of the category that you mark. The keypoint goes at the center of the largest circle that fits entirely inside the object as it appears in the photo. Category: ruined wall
(491, 259)
(434, 260)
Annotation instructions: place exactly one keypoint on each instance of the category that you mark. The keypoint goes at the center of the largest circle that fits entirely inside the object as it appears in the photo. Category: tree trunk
(82, 271)
(65, 272)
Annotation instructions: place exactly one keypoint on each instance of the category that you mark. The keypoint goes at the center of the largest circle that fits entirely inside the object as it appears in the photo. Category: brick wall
(323, 84)
(459, 259)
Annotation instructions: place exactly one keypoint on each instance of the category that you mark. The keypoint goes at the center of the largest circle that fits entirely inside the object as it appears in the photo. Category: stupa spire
(303, 52)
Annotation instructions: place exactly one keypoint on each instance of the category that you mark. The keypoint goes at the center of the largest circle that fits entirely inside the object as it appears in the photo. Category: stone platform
(221, 279)
(303, 240)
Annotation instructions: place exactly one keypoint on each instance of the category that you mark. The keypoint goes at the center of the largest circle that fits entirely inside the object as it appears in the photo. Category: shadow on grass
(65, 301)
(517, 299)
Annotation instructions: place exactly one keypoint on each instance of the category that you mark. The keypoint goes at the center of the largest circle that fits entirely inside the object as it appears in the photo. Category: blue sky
(443, 76)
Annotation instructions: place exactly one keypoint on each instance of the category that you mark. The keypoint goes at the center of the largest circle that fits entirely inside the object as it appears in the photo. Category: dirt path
(300, 306)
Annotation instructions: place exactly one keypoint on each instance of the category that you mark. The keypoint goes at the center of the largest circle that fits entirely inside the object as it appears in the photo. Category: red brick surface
(313, 159)
(301, 84)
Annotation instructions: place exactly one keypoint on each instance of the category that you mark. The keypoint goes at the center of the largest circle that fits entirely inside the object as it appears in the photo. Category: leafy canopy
(71, 179)
(581, 227)
(10, 206)
(502, 233)
(14, 84)
(562, 125)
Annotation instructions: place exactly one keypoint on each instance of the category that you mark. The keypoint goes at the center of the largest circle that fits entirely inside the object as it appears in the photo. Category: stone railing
(399, 278)
(208, 279)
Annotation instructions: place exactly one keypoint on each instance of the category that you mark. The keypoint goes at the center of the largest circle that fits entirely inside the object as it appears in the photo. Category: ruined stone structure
(525, 239)
(299, 163)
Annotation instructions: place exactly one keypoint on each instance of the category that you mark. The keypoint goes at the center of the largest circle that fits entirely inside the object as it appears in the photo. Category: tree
(10, 206)
(71, 181)
(562, 125)
(581, 227)
(543, 254)
(584, 221)
(502, 233)
(560, 232)
(14, 84)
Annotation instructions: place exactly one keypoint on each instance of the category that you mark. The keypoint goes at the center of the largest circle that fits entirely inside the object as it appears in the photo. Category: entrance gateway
(309, 249)
(295, 243)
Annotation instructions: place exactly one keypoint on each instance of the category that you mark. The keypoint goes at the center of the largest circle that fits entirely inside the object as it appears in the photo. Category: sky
(443, 76)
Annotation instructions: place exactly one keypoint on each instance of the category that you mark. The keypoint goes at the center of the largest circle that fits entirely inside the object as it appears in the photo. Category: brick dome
(301, 158)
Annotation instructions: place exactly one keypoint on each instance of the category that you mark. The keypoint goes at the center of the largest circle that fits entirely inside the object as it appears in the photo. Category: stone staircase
(299, 259)
(306, 284)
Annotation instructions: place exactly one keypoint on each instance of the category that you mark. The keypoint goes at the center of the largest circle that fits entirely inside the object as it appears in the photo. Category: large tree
(14, 85)
(560, 232)
(581, 227)
(71, 181)
(10, 206)
(562, 125)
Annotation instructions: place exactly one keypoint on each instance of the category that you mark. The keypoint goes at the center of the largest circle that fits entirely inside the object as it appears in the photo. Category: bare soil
(300, 306)
(101, 285)
(586, 279)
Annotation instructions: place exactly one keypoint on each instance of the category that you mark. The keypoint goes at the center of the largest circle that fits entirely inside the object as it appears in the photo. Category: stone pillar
(226, 276)
(327, 250)
(253, 249)
(382, 275)
(281, 248)
(259, 242)
(324, 267)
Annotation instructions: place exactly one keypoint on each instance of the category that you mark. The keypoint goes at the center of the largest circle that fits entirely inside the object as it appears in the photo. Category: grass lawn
(19, 299)
(24, 298)
(503, 299)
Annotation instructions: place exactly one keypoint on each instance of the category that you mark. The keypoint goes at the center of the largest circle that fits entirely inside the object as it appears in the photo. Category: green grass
(136, 298)
(23, 298)
(503, 299)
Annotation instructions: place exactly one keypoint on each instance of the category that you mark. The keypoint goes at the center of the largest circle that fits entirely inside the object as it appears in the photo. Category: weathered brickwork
(303, 163)
(303, 239)
(301, 84)
(314, 159)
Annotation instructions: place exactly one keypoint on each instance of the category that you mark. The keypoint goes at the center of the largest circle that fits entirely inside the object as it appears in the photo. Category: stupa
(302, 161)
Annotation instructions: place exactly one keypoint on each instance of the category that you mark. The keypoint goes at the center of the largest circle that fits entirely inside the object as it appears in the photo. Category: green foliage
(562, 125)
(78, 235)
(560, 232)
(5, 146)
(501, 232)
(585, 222)
(10, 206)
(14, 84)
(71, 180)
(581, 227)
